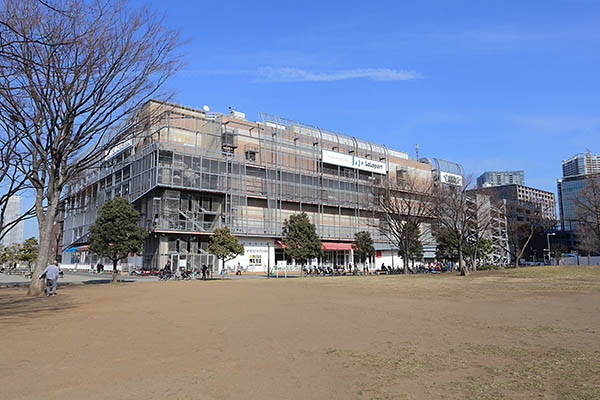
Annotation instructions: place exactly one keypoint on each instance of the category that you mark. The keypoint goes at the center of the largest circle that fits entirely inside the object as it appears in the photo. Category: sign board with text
(350, 161)
(451, 179)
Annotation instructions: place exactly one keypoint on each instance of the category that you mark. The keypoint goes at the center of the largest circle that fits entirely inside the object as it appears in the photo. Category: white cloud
(270, 74)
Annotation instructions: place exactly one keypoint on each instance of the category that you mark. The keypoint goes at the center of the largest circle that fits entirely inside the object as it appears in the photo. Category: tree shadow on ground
(105, 281)
(17, 303)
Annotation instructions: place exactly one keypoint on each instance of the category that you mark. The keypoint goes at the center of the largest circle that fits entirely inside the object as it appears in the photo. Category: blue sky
(489, 84)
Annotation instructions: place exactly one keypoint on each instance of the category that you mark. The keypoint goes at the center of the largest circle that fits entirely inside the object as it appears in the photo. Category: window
(255, 260)
(251, 155)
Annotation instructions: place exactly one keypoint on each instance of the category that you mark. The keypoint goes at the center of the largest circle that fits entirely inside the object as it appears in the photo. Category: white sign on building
(350, 161)
(451, 179)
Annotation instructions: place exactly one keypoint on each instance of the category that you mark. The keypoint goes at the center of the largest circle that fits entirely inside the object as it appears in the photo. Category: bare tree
(558, 249)
(66, 96)
(12, 183)
(523, 221)
(9, 35)
(482, 205)
(587, 205)
(586, 241)
(406, 209)
(456, 213)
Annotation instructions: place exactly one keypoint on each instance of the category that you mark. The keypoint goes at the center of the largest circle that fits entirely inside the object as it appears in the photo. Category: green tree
(479, 249)
(447, 246)
(9, 254)
(416, 251)
(300, 238)
(29, 251)
(224, 245)
(363, 245)
(116, 233)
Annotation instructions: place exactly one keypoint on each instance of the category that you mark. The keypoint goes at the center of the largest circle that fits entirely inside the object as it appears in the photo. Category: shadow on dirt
(17, 303)
(104, 281)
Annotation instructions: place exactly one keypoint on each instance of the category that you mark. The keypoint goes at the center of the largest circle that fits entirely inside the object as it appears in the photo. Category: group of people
(383, 269)
(99, 268)
(337, 270)
(183, 274)
(434, 267)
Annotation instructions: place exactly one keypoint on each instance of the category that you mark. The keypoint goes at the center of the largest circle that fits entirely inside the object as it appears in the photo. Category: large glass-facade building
(575, 170)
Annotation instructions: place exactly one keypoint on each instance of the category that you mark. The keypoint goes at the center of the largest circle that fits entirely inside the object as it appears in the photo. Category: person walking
(51, 274)
(204, 271)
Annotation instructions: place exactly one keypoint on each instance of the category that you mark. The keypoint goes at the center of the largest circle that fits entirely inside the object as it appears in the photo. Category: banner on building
(350, 161)
(451, 179)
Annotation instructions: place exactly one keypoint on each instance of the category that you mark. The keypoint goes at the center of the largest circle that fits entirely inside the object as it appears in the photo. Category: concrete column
(163, 249)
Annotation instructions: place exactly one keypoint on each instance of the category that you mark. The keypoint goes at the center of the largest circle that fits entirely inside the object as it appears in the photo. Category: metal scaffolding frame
(194, 171)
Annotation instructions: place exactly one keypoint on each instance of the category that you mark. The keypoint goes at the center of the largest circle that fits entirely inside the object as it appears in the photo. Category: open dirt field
(527, 333)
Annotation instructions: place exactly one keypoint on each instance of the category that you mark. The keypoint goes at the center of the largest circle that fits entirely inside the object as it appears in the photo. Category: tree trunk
(518, 255)
(405, 262)
(461, 261)
(475, 257)
(115, 272)
(46, 224)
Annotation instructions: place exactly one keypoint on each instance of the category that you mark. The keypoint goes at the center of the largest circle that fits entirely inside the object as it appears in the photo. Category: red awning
(337, 246)
(326, 245)
(83, 248)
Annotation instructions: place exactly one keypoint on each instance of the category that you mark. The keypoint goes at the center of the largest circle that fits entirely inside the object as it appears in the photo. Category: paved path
(70, 278)
(75, 278)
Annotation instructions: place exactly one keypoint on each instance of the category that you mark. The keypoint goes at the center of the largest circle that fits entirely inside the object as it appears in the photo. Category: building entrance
(333, 258)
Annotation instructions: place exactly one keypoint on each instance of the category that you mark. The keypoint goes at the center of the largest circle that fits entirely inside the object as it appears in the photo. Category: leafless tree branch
(70, 97)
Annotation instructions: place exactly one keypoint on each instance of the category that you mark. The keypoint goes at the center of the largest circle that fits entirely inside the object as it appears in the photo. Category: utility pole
(268, 259)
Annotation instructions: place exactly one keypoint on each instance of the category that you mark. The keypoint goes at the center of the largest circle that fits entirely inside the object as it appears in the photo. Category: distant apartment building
(525, 195)
(581, 164)
(575, 170)
(12, 212)
(501, 178)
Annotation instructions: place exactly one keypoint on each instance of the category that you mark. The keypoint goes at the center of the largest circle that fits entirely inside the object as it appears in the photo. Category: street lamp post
(548, 242)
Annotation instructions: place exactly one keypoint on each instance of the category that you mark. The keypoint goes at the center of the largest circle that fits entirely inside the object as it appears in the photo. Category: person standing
(51, 274)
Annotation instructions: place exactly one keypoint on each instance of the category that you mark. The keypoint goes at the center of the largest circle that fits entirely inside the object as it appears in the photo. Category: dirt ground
(518, 334)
